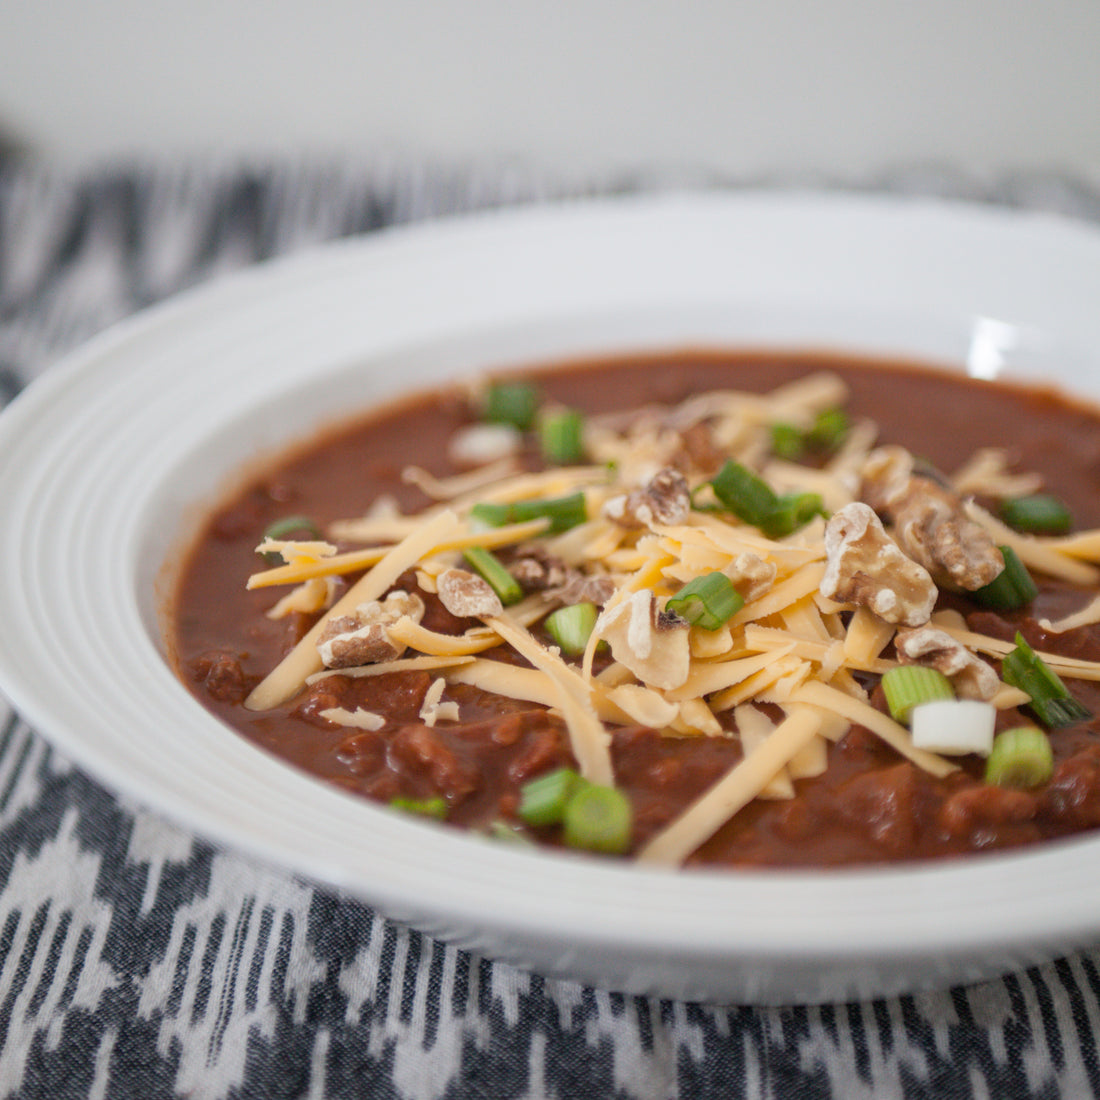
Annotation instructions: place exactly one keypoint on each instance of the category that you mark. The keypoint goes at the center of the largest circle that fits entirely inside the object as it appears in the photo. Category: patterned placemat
(138, 961)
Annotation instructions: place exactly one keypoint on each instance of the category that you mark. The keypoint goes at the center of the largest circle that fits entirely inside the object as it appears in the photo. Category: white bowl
(109, 460)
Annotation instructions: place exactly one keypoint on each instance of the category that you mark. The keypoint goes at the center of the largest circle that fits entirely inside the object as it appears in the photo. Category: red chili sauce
(870, 806)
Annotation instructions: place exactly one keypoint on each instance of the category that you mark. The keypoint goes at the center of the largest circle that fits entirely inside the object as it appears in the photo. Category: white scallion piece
(953, 727)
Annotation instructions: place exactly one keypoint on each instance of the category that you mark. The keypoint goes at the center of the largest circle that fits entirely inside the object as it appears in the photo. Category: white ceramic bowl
(108, 461)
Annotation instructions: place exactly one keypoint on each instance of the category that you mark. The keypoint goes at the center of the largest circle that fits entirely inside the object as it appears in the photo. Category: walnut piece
(465, 594)
(972, 677)
(665, 500)
(751, 575)
(362, 638)
(579, 587)
(658, 657)
(932, 528)
(535, 569)
(930, 524)
(886, 473)
(864, 566)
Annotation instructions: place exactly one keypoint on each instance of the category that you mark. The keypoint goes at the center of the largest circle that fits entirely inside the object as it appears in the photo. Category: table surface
(138, 961)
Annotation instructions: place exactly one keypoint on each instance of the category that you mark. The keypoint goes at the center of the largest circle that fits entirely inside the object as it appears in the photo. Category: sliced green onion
(747, 496)
(281, 530)
(598, 819)
(702, 498)
(829, 430)
(563, 512)
(1021, 759)
(425, 807)
(1039, 514)
(792, 511)
(571, 627)
(954, 727)
(788, 442)
(751, 499)
(908, 686)
(707, 601)
(492, 571)
(544, 798)
(292, 525)
(1051, 701)
(1011, 589)
(561, 437)
(827, 433)
(507, 832)
(513, 403)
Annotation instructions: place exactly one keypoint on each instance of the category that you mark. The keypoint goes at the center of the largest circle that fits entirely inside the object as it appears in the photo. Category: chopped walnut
(596, 588)
(665, 500)
(864, 566)
(535, 569)
(658, 657)
(699, 450)
(929, 521)
(933, 529)
(466, 594)
(362, 638)
(972, 677)
(886, 474)
(751, 575)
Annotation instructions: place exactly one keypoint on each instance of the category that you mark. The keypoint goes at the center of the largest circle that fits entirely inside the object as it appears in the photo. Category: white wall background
(584, 86)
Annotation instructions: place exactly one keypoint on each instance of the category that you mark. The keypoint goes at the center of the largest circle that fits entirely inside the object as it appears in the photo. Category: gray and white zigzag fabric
(137, 961)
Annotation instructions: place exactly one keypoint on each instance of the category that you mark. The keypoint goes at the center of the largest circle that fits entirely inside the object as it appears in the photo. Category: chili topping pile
(735, 626)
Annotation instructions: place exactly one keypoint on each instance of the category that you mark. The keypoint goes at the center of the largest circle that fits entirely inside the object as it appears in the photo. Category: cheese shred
(707, 814)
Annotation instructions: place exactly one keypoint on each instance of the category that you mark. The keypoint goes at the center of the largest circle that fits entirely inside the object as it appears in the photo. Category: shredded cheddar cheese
(357, 719)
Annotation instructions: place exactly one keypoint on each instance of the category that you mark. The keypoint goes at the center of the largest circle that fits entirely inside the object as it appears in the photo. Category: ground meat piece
(508, 729)
(332, 691)
(988, 815)
(1073, 795)
(545, 749)
(439, 619)
(363, 753)
(796, 821)
(884, 802)
(397, 696)
(384, 787)
(420, 751)
(698, 450)
(220, 674)
(664, 773)
(860, 741)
